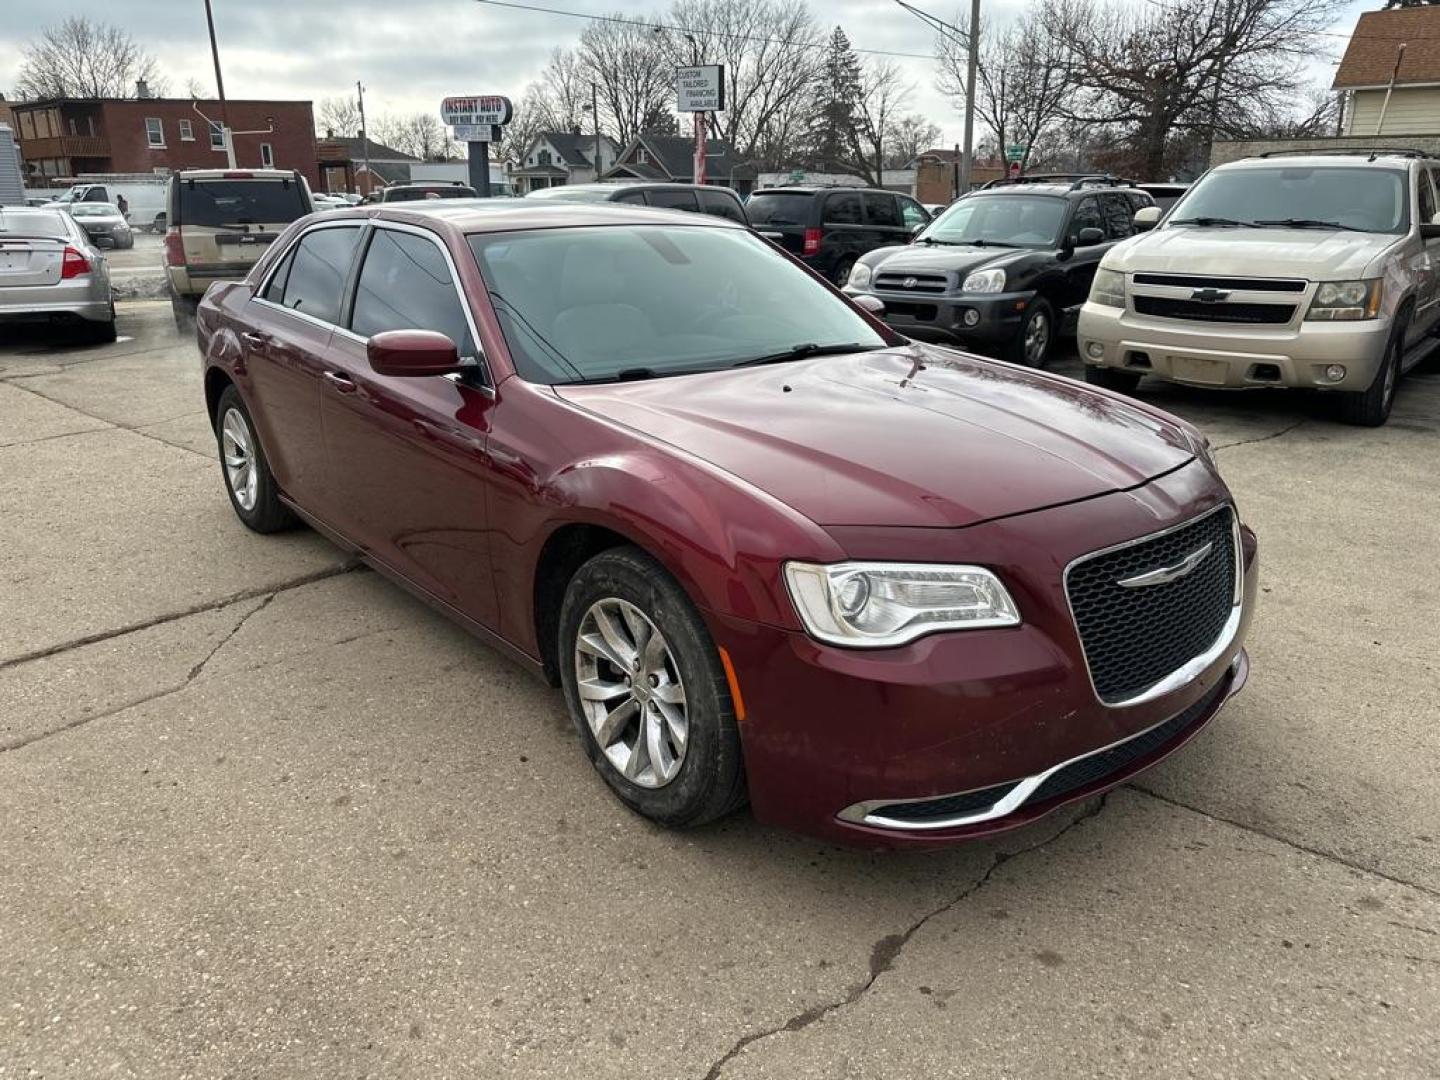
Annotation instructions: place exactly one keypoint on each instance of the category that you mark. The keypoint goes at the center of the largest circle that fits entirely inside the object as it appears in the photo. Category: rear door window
(881, 210)
(636, 197)
(406, 284)
(317, 271)
(1427, 197)
(220, 203)
(843, 209)
(779, 208)
(721, 204)
(675, 200)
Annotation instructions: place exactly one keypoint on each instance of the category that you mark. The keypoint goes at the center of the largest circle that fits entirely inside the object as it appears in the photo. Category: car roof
(1380, 159)
(522, 215)
(1052, 190)
(640, 185)
(235, 174)
(816, 189)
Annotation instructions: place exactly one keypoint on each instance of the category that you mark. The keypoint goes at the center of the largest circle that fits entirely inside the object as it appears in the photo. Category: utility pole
(971, 40)
(595, 116)
(225, 135)
(364, 136)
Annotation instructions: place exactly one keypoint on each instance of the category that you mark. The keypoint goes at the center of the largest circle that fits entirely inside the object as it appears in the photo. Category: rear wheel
(102, 333)
(248, 480)
(842, 270)
(1031, 344)
(184, 308)
(1122, 382)
(1371, 406)
(647, 691)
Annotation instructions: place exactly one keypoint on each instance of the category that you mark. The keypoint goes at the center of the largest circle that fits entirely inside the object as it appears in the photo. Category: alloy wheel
(237, 448)
(631, 692)
(1037, 338)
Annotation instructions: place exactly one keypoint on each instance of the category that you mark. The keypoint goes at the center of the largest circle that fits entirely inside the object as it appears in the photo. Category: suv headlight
(877, 604)
(1108, 288)
(1337, 301)
(983, 281)
(860, 276)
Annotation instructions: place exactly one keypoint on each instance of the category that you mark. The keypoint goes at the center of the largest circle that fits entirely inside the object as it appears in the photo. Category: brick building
(65, 137)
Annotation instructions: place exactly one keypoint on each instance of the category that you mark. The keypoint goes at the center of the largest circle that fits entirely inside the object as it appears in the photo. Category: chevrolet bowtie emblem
(1166, 574)
(1209, 296)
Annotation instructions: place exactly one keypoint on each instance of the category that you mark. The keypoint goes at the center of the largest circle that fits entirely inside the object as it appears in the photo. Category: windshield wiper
(809, 348)
(629, 374)
(932, 240)
(1307, 223)
(1215, 222)
(982, 242)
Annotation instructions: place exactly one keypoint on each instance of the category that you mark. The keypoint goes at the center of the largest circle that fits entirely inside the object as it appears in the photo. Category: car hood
(1312, 254)
(920, 259)
(916, 435)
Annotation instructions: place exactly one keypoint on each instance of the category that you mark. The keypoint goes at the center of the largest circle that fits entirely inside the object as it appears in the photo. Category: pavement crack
(245, 594)
(198, 669)
(134, 429)
(1262, 438)
(61, 435)
(1328, 856)
(887, 950)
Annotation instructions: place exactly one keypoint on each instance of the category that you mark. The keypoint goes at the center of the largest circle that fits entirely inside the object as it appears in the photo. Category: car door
(290, 319)
(409, 454)
(883, 217)
(1426, 264)
(1082, 261)
(844, 236)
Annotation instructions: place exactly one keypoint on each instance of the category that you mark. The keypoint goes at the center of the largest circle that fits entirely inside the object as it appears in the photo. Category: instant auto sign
(483, 111)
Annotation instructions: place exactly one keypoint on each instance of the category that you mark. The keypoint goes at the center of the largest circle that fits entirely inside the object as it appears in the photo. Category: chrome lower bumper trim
(864, 813)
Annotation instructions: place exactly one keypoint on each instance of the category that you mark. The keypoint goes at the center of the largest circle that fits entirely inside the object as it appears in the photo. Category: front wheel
(842, 270)
(1031, 344)
(1371, 407)
(251, 486)
(1122, 382)
(647, 691)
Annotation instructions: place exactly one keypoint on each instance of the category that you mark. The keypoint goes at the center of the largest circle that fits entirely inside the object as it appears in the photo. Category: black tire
(102, 333)
(268, 514)
(184, 308)
(710, 781)
(1039, 320)
(1371, 407)
(841, 273)
(1122, 382)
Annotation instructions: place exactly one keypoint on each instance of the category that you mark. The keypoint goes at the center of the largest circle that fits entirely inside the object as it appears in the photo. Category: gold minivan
(219, 222)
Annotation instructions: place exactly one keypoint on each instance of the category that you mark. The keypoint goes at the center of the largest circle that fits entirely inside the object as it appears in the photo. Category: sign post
(700, 90)
(478, 121)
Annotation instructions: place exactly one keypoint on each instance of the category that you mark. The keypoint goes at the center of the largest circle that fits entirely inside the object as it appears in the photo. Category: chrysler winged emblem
(1166, 574)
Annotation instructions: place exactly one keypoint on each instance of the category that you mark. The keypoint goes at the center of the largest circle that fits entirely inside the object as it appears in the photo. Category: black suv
(830, 228)
(432, 189)
(1005, 268)
(697, 198)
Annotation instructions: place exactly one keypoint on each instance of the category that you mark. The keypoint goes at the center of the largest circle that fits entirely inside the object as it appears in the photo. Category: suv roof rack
(1371, 152)
(1075, 180)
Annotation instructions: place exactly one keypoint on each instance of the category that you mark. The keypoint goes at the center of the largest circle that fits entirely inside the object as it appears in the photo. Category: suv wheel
(842, 270)
(1031, 344)
(647, 691)
(1371, 407)
(1122, 382)
(184, 309)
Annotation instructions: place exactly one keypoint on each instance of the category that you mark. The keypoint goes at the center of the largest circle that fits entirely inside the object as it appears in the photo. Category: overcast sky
(412, 53)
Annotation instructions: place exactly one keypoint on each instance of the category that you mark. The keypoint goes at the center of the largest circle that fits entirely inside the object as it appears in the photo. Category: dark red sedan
(889, 592)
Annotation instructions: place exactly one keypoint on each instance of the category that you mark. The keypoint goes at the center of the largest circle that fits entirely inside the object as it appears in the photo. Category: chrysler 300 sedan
(888, 592)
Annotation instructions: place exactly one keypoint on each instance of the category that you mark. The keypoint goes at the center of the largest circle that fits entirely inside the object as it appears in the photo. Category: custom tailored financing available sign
(700, 89)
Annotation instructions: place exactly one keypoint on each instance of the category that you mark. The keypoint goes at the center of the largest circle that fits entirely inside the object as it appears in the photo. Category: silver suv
(1305, 269)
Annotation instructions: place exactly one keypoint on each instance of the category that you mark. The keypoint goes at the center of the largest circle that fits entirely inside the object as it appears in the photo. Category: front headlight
(877, 604)
(1337, 301)
(983, 281)
(1108, 288)
(860, 276)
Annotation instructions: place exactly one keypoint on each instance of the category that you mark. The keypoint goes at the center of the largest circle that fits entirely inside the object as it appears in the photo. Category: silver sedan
(51, 272)
(103, 223)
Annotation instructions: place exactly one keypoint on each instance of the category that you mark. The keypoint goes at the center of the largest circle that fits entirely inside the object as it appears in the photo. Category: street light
(971, 41)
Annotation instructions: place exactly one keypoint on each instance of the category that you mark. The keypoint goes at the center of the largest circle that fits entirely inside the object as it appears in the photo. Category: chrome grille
(899, 281)
(1233, 284)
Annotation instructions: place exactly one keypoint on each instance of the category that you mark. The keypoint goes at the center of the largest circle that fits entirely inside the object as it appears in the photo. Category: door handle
(343, 383)
(252, 338)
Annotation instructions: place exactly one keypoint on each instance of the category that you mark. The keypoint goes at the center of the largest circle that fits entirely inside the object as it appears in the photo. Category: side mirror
(1090, 237)
(412, 353)
(1146, 218)
(872, 304)
(1430, 230)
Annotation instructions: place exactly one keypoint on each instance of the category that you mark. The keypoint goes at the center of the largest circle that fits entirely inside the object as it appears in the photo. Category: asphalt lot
(265, 815)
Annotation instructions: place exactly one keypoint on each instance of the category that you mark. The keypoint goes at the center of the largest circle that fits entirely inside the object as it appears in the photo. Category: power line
(537, 8)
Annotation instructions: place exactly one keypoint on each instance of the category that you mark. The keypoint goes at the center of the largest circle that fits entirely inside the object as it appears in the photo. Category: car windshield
(636, 301)
(49, 223)
(218, 203)
(1365, 199)
(781, 208)
(565, 193)
(1019, 220)
(94, 210)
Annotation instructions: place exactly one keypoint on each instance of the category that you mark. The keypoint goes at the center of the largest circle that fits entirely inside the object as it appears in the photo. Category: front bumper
(1234, 355)
(988, 319)
(833, 737)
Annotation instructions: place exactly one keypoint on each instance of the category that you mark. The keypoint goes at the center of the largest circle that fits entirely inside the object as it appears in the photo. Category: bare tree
(194, 88)
(883, 95)
(627, 60)
(83, 59)
(908, 138)
(340, 115)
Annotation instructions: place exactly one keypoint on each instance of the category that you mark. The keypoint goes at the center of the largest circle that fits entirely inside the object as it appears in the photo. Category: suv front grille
(1135, 636)
(1167, 307)
(1233, 284)
(900, 281)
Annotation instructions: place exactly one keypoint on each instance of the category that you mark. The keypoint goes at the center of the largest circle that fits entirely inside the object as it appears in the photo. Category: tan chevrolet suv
(1304, 269)
(219, 222)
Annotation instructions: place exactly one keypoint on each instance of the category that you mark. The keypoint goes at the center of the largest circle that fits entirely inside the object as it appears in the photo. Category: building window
(155, 132)
(187, 131)
(27, 125)
(267, 156)
(73, 129)
(543, 157)
(217, 135)
(641, 157)
(90, 122)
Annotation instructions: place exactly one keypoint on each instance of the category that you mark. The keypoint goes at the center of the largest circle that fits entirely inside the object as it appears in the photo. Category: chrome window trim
(862, 813)
(1195, 666)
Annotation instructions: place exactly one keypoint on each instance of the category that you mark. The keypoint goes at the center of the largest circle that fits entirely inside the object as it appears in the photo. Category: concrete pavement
(266, 815)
